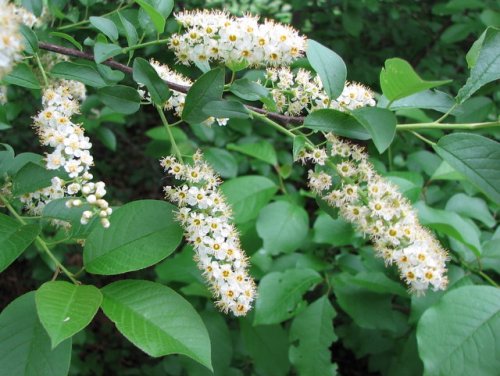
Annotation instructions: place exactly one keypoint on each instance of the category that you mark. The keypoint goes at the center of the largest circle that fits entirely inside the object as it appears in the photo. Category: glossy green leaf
(472, 207)
(78, 72)
(130, 30)
(283, 227)
(330, 67)
(120, 98)
(279, 296)
(476, 157)
(142, 233)
(380, 123)
(105, 51)
(399, 80)
(427, 99)
(65, 308)
(23, 76)
(30, 39)
(262, 150)
(267, 346)
(145, 74)
(249, 90)
(336, 232)
(14, 239)
(486, 68)
(32, 177)
(106, 26)
(226, 109)
(247, 195)
(155, 15)
(34, 6)
(67, 37)
(107, 137)
(207, 88)
(222, 161)
(157, 320)
(460, 334)
(312, 333)
(337, 122)
(25, 346)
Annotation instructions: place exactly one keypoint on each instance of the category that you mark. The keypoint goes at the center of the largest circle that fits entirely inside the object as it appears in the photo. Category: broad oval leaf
(330, 67)
(32, 177)
(120, 98)
(144, 73)
(262, 150)
(106, 26)
(25, 346)
(283, 226)
(380, 123)
(279, 296)
(222, 161)
(460, 334)
(476, 157)
(207, 88)
(105, 51)
(156, 319)
(337, 122)
(22, 75)
(398, 80)
(226, 109)
(79, 72)
(30, 39)
(142, 233)
(157, 18)
(64, 308)
(14, 239)
(249, 90)
(247, 195)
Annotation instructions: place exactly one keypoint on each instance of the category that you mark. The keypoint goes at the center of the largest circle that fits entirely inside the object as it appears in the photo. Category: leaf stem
(167, 126)
(426, 140)
(435, 125)
(145, 44)
(84, 22)
(40, 66)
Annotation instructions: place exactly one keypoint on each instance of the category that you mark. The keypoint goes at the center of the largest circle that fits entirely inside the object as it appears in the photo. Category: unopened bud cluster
(378, 210)
(71, 152)
(301, 92)
(206, 219)
(217, 36)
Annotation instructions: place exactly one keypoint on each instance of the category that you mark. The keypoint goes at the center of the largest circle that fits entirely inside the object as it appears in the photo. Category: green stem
(84, 22)
(487, 278)
(167, 126)
(40, 66)
(426, 140)
(145, 44)
(447, 113)
(436, 125)
(273, 124)
(38, 240)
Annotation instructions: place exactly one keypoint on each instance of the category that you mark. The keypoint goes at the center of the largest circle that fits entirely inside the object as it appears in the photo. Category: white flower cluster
(300, 91)
(206, 219)
(218, 36)
(11, 40)
(26, 17)
(71, 152)
(34, 202)
(177, 99)
(378, 210)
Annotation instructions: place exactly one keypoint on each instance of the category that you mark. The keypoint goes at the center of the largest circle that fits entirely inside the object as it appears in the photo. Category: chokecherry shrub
(302, 215)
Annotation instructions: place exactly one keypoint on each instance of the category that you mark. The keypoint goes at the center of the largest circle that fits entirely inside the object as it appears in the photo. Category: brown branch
(172, 85)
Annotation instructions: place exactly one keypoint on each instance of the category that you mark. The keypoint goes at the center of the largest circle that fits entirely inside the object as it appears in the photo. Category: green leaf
(165, 7)
(378, 282)
(399, 80)
(267, 346)
(336, 232)
(34, 6)
(451, 224)
(330, 67)
(145, 74)
(476, 157)
(337, 122)
(262, 150)
(156, 319)
(22, 75)
(14, 239)
(312, 331)
(57, 209)
(460, 334)
(226, 109)
(472, 207)
(130, 31)
(105, 51)
(249, 90)
(207, 88)
(247, 195)
(120, 98)
(179, 268)
(156, 17)
(30, 39)
(380, 123)
(67, 37)
(106, 26)
(142, 233)
(25, 346)
(486, 68)
(473, 53)
(299, 144)
(283, 226)
(222, 161)
(279, 296)
(64, 308)
(78, 72)
(32, 177)
(427, 99)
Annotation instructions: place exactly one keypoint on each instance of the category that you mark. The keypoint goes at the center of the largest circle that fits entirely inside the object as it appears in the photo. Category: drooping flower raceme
(177, 99)
(378, 210)
(206, 219)
(218, 36)
(297, 92)
(71, 153)
(11, 40)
